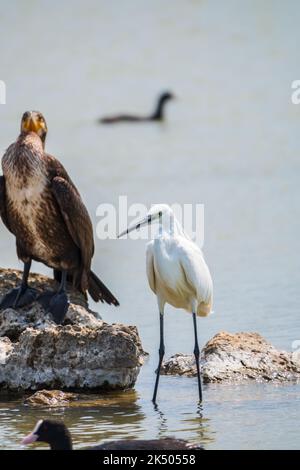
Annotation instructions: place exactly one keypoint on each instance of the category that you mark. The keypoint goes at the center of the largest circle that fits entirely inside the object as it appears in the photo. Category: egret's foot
(56, 303)
(19, 297)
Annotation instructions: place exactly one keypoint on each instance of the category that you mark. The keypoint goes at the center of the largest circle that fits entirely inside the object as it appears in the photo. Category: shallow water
(231, 141)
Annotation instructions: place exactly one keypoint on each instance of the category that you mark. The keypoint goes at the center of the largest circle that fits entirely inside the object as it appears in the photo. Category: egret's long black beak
(146, 221)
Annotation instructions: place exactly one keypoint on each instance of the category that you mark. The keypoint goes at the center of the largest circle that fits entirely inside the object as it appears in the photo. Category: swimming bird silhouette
(56, 434)
(157, 115)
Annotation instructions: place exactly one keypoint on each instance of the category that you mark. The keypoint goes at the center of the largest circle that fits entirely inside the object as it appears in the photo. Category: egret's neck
(172, 227)
(178, 230)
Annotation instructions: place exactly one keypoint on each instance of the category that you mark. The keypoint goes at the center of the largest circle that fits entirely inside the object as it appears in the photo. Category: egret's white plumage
(176, 270)
(177, 273)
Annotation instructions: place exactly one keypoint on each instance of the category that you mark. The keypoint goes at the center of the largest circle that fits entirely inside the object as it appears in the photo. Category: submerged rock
(50, 398)
(180, 364)
(237, 357)
(58, 398)
(84, 353)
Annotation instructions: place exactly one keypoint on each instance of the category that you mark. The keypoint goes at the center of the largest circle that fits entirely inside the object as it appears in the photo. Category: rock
(6, 348)
(129, 400)
(10, 278)
(84, 353)
(58, 398)
(180, 364)
(13, 322)
(50, 398)
(73, 357)
(237, 357)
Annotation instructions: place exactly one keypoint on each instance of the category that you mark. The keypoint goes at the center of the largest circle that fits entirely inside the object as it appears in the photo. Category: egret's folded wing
(150, 266)
(196, 271)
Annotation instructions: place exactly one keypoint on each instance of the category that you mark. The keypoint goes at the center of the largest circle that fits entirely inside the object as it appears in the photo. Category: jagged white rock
(236, 357)
(83, 354)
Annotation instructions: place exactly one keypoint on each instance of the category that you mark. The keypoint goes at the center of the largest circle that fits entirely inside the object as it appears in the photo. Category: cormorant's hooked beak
(33, 121)
(146, 221)
(30, 124)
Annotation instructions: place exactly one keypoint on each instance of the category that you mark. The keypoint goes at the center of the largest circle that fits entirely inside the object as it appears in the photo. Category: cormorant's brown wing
(55, 168)
(74, 212)
(79, 226)
(76, 218)
(3, 213)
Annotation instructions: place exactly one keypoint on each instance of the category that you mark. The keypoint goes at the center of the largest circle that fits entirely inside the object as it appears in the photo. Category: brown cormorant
(157, 115)
(56, 434)
(42, 207)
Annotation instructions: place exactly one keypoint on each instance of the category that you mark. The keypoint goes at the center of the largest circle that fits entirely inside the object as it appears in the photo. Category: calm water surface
(231, 141)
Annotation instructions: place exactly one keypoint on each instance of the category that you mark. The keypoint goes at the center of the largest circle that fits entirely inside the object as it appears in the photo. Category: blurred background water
(230, 141)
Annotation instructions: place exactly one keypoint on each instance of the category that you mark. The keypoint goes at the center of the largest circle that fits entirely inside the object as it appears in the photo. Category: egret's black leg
(197, 357)
(161, 354)
(56, 303)
(22, 295)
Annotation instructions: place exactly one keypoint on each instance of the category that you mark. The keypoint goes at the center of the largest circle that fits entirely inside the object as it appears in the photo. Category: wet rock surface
(84, 353)
(237, 357)
(180, 364)
(58, 398)
(50, 398)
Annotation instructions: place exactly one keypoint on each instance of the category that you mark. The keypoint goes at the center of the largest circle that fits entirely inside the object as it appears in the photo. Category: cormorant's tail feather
(98, 291)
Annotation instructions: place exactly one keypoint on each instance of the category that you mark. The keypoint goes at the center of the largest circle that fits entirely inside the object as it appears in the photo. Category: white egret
(178, 275)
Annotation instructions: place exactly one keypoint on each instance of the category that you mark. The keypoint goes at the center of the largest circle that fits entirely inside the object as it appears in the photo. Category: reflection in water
(190, 424)
(162, 421)
(95, 418)
(230, 413)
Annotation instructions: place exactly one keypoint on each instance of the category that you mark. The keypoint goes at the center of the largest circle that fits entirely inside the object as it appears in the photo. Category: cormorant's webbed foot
(45, 297)
(58, 307)
(18, 297)
(22, 295)
(56, 303)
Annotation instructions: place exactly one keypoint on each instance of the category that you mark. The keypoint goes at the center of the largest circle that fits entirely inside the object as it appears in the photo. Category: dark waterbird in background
(42, 207)
(157, 115)
(57, 435)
